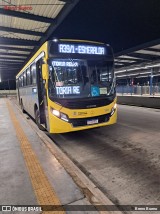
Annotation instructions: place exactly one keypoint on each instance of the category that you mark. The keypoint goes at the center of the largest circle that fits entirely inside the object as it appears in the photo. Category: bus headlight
(60, 115)
(113, 109)
(64, 117)
(55, 112)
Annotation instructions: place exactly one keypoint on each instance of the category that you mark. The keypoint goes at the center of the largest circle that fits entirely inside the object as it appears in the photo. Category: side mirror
(45, 75)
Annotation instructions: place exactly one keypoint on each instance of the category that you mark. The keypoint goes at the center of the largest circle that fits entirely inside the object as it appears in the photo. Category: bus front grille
(84, 121)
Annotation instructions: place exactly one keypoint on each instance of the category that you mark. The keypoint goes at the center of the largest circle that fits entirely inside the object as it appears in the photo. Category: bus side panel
(17, 91)
(29, 97)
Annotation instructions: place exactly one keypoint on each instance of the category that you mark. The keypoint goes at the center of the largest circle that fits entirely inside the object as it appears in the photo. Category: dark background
(121, 23)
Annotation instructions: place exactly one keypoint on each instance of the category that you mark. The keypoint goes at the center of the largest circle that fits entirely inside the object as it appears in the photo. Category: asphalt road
(122, 159)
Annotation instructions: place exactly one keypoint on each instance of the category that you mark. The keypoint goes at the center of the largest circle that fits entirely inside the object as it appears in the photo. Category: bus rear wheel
(37, 118)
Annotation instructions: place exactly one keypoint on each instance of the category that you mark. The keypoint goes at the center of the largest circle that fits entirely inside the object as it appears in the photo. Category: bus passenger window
(24, 78)
(19, 81)
(84, 74)
(28, 77)
(33, 74)
(93, 77)
(21, 78)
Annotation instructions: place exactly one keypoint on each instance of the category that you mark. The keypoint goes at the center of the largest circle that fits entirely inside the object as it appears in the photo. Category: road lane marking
(44, 192)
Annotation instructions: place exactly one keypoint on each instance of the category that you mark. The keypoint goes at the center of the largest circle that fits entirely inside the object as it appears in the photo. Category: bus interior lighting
(55, 40)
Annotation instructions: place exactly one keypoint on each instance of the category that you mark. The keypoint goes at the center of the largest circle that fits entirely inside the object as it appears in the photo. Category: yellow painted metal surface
(44, 192)
(59, 126)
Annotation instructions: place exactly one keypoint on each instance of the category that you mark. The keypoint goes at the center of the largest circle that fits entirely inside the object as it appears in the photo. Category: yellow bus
(69, 85)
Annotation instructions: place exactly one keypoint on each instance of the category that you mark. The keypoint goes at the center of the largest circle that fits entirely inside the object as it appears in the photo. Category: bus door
(42, 94)
(17, 88)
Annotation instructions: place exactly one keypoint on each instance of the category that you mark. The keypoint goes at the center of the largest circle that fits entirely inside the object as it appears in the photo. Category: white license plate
(90, 122)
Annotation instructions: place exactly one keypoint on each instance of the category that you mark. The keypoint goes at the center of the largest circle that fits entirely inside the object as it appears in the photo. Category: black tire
(37, 118)
(22, 108)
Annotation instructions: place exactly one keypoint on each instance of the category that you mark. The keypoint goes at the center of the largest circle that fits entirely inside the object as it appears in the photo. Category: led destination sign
(65, 64)
(81, 49)
(68, 90)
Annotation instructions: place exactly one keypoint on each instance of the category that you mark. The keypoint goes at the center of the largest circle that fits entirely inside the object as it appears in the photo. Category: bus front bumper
(57, 125)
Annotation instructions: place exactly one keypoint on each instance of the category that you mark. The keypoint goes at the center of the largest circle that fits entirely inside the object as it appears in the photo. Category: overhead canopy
(24, 26)
(139, 61)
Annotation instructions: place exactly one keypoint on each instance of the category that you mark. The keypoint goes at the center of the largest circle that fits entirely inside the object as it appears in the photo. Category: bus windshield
(80, 78)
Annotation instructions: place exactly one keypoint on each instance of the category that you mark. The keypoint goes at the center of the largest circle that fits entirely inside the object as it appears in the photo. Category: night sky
(121, 23)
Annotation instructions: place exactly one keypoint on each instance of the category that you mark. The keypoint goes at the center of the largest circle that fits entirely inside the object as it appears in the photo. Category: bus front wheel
(37, 118)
